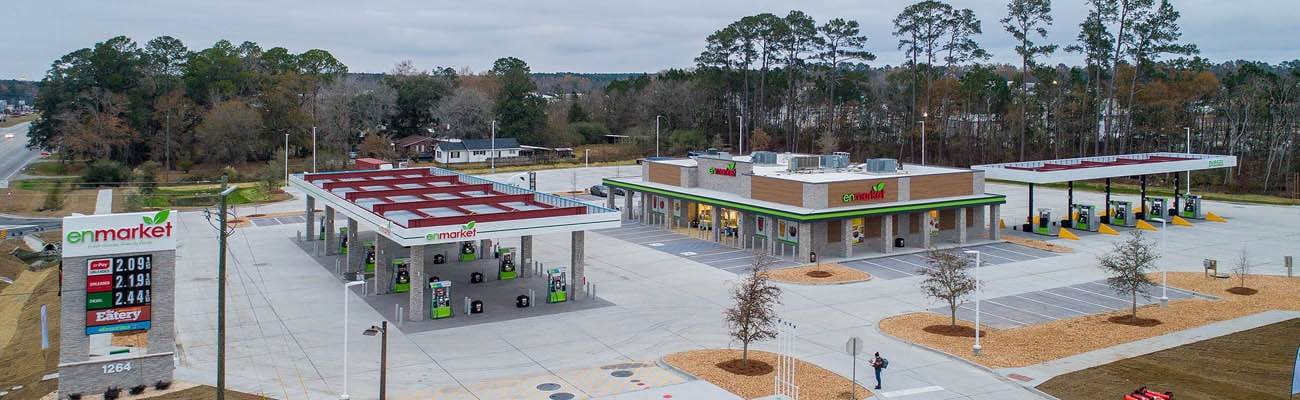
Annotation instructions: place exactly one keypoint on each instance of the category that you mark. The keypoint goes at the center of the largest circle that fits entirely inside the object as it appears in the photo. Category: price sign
(118, 293)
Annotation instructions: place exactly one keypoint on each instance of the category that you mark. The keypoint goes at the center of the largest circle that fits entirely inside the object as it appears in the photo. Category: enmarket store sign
(729, 171)
(877, 193)
(466, 231)
(90, 235)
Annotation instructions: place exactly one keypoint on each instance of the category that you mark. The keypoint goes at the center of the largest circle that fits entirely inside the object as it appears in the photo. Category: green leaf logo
(731, 165)
(157, 218)
(468, 227)
(879, 187)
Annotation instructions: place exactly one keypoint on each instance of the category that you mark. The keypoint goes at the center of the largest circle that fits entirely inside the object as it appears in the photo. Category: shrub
(74, 396)
(105, 173)
(186, 165)
(231, 174)
(162, 385)
(53, 198)
(138, 389)
(147, 176)
(112, 393)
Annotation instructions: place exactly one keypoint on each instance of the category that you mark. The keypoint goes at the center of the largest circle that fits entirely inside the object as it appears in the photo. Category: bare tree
(753, 317)
(947, 279)
(1128, 264)
(1242, 265)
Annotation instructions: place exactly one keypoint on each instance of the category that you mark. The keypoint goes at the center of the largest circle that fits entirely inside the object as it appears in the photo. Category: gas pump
(1086, 217)
(1192, 207)
(1156, 204)
(467, 251)
(557, 292)
(440, 306)
(1045, 224)
(1121, 213)
(370, 258)
(343, 240)
(506, 268)
(401, 275)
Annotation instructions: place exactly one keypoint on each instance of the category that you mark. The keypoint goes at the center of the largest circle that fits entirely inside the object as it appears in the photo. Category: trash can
(476, 307)
(439, 259)
(476, 277)
(521, 301)
(898, 242)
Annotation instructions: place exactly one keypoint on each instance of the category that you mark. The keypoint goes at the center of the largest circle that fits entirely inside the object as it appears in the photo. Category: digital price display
(118, 293)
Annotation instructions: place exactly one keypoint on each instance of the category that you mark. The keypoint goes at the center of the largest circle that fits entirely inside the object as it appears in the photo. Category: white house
(455, 151)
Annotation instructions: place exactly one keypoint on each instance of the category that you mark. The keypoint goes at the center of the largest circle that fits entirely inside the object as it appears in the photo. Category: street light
(492, 160)
(924, 115)
(977, 349)
(286, 159)
(346, 289)
(742, 135)
(313, 149)
(1164, 283)
(1189, 155)
(382, 331)
(657, 134)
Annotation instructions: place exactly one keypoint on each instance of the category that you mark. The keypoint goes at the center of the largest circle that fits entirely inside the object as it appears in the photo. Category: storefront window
(858, 231)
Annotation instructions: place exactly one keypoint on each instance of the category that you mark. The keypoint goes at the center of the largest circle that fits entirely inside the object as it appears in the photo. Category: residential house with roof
(455, 151)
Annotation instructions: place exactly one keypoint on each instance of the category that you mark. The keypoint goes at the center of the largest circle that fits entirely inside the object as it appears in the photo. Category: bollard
(593, 290)
(298, 236)
(467, 313)
(336, 267)
(532, 295)
(400, 309)
(587, 285)
(1287, 260)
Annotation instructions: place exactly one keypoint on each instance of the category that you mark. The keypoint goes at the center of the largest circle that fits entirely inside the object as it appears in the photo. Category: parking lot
(1065, 302)
(905, 265)
(702, 251)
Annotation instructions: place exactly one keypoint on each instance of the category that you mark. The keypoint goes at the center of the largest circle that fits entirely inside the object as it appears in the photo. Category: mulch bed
(823, 273)
(815, 383)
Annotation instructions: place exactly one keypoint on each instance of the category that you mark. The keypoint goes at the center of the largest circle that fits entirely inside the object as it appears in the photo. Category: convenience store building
(795, 205)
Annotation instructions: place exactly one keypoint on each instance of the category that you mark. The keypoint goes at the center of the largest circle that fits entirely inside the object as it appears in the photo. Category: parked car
(602, 191)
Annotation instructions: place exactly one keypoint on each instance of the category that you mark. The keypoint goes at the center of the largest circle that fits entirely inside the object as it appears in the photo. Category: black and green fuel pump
(467, 251)
(557, 291)
(343, 240)
(440, 306)
(507, 269)
(370, 258)
(401, 275)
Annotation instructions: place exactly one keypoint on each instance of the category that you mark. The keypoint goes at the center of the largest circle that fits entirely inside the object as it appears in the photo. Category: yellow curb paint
(1107, 230)
(1214, 217)
(1181, 222)
(1002, 224)
(1144, 225)
(1065, 234)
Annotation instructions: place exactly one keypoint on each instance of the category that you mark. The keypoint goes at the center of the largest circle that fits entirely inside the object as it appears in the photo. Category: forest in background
(783, 82)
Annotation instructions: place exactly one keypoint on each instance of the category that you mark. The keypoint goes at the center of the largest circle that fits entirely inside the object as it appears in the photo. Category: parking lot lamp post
(1164, 283)
(923, 117)
(221, 289)
(382, 331)
(657, 134)
(1189, 155)
(346, 288)
(977, 349)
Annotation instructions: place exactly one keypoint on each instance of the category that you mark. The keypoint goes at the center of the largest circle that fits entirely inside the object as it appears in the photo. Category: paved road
(14, 154)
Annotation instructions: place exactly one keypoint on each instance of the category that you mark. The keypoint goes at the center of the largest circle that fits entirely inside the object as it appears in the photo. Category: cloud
(575, 35)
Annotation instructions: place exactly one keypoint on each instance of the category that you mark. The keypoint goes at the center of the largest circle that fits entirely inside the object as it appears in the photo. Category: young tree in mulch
(1242, 268)
(753, 317)
(1128, 263)
(947, 279)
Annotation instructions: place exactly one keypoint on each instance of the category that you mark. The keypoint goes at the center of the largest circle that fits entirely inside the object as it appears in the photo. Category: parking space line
(905, 273)
(1126, 301)
(1031, 256)
(1045, 292)
(1051, 305)
(1077, 299)
(986, 313)
(1049, 318)
(911, 263)
(988, 254)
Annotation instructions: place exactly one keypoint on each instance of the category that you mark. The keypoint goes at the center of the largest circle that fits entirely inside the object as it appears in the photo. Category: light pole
(586, 158)
(657, 135)
(977, 349)
(1164, 283)
(382, 330)
(313, 149)
(923, 117)
(1188, 129)
(286, 159)
(742, 135)
(346, 288)
(492, 160)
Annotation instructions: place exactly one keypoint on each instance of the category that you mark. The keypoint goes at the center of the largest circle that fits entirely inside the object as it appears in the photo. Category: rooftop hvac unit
(720, 155)
(834, 161)
(882, 165)
(802, 163)
(763, 157)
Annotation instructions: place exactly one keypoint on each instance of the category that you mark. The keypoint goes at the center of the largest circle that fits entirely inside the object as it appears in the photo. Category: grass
(1153, 191)
(54, 168)
(202, 195)
(1251, 364)
(18, 120)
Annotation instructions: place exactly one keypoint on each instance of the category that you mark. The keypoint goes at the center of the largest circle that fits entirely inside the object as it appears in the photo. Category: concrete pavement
(286, 320)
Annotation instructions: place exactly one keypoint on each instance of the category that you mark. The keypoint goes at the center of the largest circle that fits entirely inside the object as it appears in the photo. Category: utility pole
(313, 145)
(221, 290)
(286, 159)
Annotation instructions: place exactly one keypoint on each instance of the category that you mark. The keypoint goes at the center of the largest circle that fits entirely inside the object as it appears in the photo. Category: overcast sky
(555, 36)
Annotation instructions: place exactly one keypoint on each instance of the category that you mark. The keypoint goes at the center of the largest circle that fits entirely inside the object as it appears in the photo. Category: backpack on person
(884, 363)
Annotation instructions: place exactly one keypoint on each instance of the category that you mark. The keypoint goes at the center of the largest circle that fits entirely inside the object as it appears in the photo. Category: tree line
(780, 82)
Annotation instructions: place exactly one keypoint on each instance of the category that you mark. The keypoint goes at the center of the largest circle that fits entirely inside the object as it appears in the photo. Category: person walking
(878, 364)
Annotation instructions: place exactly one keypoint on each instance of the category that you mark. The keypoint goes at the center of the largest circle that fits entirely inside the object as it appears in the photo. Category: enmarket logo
(153, 227)
(729, 171)
(877, 192)
(466, 231)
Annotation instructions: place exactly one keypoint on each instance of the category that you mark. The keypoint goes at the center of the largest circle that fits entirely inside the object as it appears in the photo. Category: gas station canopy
(420, 206)
(1101, 167)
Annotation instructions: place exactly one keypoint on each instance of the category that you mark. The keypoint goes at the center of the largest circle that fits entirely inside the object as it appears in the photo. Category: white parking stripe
(909, 392)
(1077, 300)
(988, 314)
(906, 273)
(988, 254)
(1053, 305)
(1049, 318)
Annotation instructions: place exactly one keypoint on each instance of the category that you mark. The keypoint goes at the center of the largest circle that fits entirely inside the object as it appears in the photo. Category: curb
(953, 357)
(661, 363)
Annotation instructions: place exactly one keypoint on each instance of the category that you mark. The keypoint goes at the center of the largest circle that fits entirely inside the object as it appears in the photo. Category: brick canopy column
(578, 267)
(961, 225)
(419, 283)
(311, 220)
(526, 255)
(887, 234)
(331, 235)
(995, 216)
